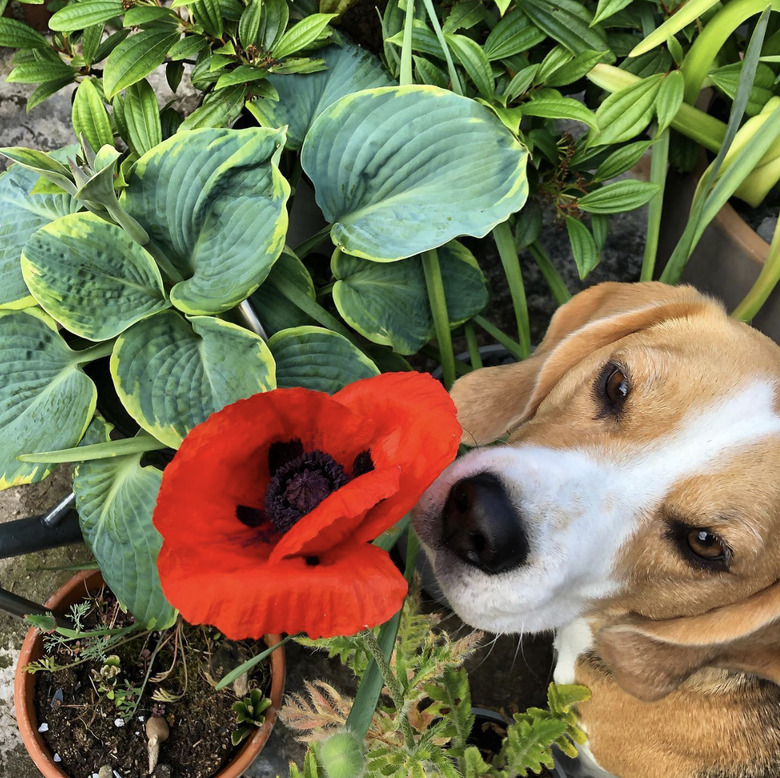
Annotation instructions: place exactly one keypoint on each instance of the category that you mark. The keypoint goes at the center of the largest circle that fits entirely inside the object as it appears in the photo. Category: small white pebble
(119, 723)
(44, 727)
(141, 718)
(57, 758)
(117, 774)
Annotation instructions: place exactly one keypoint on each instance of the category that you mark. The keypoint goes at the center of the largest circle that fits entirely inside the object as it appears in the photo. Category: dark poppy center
(299, 486)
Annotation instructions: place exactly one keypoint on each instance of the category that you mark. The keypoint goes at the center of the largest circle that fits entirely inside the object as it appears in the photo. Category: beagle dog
(632, 503)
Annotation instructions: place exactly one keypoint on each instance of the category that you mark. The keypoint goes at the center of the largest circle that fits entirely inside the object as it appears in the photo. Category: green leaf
(567, 21)
(115, 499)
(172, 374)
(46, 401)
(89, 116)
(243, 74)
(583, 246)
(627, 112)
(726, 79)
(187, 47)
(110, 43)
(249, 23)
(91, 276)
(618, 197)
(388, 302)
(47, 89)
(422, 140)
(135, 58)
(303, 98)
(558, 108)
(513, 34)
(687, 13)
(79, 16)
(90, 42)
(555, 58)
(607, 8)
(37, 72)
(17, 35)
(669, 100)
(23, 215)
(575, 69)
(213, 202)
(520, 82)
(318, 359)
(144, 14)
(428, 73)
(463, 16)
(174, 71)
(303, 34)
(42, 164)
(276, 312)
(470, 54)
(273, 23)
(209, 15)
(142, 116)
(218, 110)
(621, 160)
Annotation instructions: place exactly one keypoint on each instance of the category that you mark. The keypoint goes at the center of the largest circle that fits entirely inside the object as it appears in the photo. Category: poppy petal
(416, 428)
(337, 516)
(349, 588)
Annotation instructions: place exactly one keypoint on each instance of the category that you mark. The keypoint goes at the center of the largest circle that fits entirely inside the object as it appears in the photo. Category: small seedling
(249, 715)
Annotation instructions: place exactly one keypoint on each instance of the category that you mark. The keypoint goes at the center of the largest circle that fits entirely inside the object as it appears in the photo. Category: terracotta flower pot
(24, 688)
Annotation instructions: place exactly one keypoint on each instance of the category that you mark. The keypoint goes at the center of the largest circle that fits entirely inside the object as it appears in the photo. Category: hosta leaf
(91, 276)
(626, 113)
(89, 116)
(567, 21)
(172, 374)
(275, 311)
(23, 214)
(115, 499)
(303, 98)
(583, 246)
(46, 401)
(618, 197)
(136, 57)
(79, 16)
(213, 202)
(425, 165)
(388, 302)
(319, 359)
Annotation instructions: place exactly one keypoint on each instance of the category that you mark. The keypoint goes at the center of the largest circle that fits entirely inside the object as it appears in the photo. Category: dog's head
(639, 477)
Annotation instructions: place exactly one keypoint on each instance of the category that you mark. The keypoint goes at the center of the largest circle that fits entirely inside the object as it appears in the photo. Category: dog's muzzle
(481, 526)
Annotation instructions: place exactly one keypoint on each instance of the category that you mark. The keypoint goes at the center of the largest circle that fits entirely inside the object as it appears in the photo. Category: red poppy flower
(268, 507)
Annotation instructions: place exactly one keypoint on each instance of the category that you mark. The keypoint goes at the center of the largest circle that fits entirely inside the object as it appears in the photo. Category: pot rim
(24, 687)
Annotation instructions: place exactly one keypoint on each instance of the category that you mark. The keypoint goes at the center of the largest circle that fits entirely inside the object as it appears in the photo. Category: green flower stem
(430, 351)
(691, 122)
(310, 307)
(94, 352)
(441, 319)
(126, 222)
(711, 39)
(767, 280)
(502, 234)
(391, 682)
(305, 248)
(510, 345)
(658, 165)
(471, 341)
(405, 77)
(454, 80)
(560, 291)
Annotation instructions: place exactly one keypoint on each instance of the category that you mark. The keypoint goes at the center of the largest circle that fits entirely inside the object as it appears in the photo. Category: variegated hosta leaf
(213, 202)
(46, 401)
(319, 359)
(22, 215)
(115, 499)
(400, 170)
(302, 98)
(388, 303)
(172, 374)
(91, 276)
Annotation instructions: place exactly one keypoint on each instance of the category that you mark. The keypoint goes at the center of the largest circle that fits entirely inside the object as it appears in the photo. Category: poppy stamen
(299, 486)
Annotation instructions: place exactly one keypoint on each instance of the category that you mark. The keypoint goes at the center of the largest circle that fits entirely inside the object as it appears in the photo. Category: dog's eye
(616, 387)
(706, 545)
(612, 388)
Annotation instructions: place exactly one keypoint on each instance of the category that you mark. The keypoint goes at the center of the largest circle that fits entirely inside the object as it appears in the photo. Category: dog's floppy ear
(650, 659)
(492, 400)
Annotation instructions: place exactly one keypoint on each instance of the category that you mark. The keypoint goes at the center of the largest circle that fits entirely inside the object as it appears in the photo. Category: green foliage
(250, 714)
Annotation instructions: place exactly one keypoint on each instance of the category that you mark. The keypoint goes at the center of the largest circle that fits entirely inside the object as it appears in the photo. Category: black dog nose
(481, 526)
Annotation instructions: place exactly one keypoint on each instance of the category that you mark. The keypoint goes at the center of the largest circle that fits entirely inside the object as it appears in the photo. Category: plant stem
(658, 164)
(560, 291)
(471, 341)
(392, 683)
(510, 345)
(505, 243)
(441, 319)
(126, 222)
(765, 283)
(405, 76)
(454, 80)
(94, 352)
(429, 350)
(305, 248)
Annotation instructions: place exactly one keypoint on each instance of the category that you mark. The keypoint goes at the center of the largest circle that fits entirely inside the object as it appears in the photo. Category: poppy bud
(341, 756)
